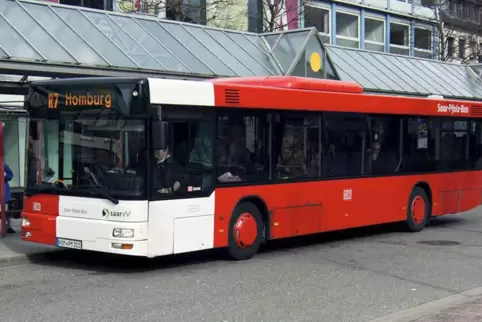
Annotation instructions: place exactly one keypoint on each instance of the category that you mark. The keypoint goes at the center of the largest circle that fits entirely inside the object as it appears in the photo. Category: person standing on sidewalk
(8, 177)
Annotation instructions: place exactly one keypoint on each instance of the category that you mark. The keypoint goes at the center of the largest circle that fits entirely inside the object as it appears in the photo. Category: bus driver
(167, 172)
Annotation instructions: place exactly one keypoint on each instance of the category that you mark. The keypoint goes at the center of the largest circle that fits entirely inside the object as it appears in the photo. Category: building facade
(448, 30)
(394, 26)
(461, 31)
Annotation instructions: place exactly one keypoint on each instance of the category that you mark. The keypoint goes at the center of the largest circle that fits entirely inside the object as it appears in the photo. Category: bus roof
(287, 93)
(298, 93)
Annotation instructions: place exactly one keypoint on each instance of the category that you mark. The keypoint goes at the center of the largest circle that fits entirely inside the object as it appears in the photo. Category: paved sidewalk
(470, 311)
(461, 307)
(15, 251)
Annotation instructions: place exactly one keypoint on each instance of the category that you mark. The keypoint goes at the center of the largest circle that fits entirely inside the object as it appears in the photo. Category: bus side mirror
(160, 135)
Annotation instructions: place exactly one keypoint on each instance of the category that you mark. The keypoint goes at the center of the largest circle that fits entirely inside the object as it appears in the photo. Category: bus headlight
(123, 233)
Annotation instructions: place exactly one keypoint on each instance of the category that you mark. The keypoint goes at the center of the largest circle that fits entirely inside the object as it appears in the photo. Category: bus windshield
(87, 137)
(86, 155)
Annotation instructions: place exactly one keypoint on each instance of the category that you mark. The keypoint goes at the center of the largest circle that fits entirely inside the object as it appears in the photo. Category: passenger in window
(48, 176)
(167, 172)
(223, 167)
(292, 161)
(239, 156)
(380, 162)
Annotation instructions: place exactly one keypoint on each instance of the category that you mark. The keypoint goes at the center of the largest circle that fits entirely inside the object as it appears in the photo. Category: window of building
(453, 7)
(320, 19)
(343, 148)
(450, 47)
(462, 47)
(399, 38)
(423, 42)
(242, 149)
(296, 146)
(347, 29)
(374, 34)
(94, 4)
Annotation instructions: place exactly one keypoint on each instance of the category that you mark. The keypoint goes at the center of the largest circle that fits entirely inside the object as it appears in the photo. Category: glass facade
(401, 74)
(14, 120)
(372, 30)
(14, 144)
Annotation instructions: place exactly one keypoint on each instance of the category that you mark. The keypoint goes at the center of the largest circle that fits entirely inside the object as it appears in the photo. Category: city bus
(151, 167)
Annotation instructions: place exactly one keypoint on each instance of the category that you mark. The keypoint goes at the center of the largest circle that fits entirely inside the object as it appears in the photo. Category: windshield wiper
(100, 188)
(103, 191)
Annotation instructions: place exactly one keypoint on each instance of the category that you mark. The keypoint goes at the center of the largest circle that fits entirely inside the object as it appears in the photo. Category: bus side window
(454, 145)
(419, 153)
(476, 142)
(345, 139)
(186, 166)
(383, 154)
(296, 146)
(242, 153)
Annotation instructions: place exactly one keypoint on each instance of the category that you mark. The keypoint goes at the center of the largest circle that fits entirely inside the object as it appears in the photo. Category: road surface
(352, 276)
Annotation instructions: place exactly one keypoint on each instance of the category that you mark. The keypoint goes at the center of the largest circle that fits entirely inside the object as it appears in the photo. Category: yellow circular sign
(315, 62)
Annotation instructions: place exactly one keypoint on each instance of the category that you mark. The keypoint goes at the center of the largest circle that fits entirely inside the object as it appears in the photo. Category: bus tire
(245, 231)
(418, 210)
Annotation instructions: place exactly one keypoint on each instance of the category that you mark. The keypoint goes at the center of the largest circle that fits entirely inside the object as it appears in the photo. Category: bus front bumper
(126, 238)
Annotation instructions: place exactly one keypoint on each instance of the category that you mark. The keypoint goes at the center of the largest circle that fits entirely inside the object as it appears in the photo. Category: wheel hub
(418, 209)
(245, 230)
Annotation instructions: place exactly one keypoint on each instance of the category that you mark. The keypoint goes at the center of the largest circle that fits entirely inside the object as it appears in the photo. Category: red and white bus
(231, 163)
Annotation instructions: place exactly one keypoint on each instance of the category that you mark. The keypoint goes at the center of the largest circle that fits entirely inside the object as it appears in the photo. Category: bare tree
(456, 37)
(267, 15)
(281, 14)
(194, 11)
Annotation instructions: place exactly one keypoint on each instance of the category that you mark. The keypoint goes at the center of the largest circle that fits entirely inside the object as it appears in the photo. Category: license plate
(69, 243)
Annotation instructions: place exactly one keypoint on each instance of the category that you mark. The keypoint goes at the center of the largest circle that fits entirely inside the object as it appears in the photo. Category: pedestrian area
(51, 40)
(14, 251)
(470, 311)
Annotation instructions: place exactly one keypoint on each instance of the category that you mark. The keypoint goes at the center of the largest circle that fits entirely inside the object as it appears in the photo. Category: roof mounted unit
(435, 97)
(302, 83)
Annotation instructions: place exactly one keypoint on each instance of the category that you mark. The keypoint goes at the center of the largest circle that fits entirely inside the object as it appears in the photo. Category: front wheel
(418, 210)
(245, 231)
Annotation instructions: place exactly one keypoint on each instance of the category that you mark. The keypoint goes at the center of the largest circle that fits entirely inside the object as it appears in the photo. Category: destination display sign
(56, 97)
(86, 100)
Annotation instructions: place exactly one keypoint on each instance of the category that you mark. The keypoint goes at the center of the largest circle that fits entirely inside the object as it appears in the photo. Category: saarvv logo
(108, 213)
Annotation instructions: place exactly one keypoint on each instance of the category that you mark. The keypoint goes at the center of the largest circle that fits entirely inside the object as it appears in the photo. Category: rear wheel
(245, 231)
(418, 210)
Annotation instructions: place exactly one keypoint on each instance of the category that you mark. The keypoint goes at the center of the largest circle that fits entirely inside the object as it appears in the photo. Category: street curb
(25, 259)
(423, 310)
